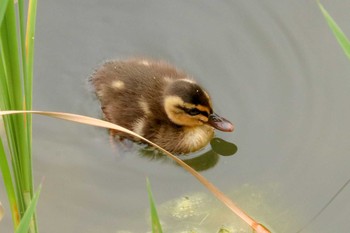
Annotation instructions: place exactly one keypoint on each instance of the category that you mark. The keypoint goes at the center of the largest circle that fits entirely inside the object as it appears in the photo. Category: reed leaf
(156, 227)
(26, 220)
(11, 98)
(29, 52)
(338, 33)
(16, 74)
(28, 87)
(6, 174)
(22, 31)
(3, 7)
(259, 228)
(28, 58)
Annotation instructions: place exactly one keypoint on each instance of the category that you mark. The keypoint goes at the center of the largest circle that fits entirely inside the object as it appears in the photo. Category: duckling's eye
(193, 111)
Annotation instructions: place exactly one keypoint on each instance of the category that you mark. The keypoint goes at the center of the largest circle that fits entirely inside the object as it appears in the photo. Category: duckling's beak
(220, 123)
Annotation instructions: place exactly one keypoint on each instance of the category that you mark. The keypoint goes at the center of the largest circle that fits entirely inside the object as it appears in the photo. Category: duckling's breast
(196, 138)
(182, 140)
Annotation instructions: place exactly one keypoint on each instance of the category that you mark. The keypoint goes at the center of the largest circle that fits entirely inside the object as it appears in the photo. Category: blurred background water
(272, 67)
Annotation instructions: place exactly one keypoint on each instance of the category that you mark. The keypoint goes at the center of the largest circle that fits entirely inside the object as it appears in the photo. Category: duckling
(159, 102)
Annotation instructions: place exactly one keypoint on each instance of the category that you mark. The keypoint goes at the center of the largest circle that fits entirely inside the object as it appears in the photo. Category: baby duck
(158, 102)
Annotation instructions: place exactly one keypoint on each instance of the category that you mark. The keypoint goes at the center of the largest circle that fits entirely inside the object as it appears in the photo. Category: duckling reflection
(200, 161)
(158, 102)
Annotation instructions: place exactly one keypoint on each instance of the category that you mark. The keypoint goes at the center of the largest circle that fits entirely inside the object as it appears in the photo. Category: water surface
(272, 68)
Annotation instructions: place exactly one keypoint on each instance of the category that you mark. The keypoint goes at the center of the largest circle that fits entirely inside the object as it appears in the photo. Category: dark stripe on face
(194, 111)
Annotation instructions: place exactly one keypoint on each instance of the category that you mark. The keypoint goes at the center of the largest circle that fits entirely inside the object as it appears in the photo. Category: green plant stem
(16, 74)
(10, 122)
(26, 221)
(6, 174)
(156, 227)
(28, 81)
(3, 7)
(338, 33)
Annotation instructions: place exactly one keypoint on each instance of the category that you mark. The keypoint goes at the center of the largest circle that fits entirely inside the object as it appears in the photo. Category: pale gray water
(272, 67)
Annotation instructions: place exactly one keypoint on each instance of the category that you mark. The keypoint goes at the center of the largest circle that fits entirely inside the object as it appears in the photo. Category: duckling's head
(187, 104)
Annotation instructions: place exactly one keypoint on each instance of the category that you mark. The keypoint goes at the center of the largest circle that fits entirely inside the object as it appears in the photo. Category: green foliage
(338, 33)
(16, 72)
(156, 227)
(26, 219)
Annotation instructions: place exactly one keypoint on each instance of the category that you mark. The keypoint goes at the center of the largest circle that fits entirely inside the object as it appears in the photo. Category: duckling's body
(158, 102)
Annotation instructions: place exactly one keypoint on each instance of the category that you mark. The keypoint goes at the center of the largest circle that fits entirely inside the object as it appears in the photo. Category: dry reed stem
(259, 228)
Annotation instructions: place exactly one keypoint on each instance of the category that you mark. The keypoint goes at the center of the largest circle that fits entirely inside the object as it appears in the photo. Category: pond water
(272, 67)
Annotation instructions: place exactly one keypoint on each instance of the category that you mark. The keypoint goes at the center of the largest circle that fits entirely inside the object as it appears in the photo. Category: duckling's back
(133, 90)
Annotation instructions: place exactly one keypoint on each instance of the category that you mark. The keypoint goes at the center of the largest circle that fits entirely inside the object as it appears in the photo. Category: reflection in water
(198, 161)
(223, 147)
(203, 161)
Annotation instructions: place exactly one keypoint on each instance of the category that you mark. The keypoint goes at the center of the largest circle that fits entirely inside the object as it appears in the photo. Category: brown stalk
(259, 228)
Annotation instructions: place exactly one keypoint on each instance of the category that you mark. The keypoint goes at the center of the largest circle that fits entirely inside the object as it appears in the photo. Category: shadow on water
(200, 161)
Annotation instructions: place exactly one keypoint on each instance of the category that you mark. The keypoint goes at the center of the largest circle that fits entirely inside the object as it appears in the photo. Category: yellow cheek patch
(203, 108)
(178, 116)
(202, 118)
(171, 101)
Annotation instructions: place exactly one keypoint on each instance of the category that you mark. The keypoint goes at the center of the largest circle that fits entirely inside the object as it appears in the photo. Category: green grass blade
(6, 174)
(29, 52)
(10, 81)
(26, 220)
(16, 56)
(3, 7)
(13, 65)
(156, 227)
(4, 95)
(6, 61)
(20, 142)
(28, 78)
(338, 33)
(22, 31)
(28, 83)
